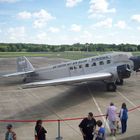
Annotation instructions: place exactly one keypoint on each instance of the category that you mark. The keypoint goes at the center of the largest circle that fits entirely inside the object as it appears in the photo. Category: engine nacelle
(124, 71)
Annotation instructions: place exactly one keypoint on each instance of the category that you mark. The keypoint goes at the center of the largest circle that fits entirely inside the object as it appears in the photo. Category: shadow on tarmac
(136, 137)
(71, 97)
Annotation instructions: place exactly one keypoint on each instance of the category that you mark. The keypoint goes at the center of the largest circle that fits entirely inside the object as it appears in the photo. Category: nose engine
(136, 61)
(124, 71)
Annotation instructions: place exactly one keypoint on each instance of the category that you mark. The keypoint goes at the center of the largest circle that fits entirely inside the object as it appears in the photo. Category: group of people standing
(89, 127)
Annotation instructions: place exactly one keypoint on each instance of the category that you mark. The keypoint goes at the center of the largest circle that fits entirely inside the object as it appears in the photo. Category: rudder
(23, 65)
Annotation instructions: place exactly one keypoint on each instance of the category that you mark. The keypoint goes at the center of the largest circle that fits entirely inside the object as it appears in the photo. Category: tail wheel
(26, 80)
(111, 87)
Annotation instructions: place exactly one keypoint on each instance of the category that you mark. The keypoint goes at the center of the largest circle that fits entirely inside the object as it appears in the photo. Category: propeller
(136, 61)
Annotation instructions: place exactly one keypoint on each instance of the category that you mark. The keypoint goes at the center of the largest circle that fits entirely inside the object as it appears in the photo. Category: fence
(61, 120)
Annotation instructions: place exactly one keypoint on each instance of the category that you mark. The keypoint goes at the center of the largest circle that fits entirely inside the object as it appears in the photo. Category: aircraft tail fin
(23, 65)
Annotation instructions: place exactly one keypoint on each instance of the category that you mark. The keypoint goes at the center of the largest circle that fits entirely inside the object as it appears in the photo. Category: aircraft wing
(16, 74)
(68, 80)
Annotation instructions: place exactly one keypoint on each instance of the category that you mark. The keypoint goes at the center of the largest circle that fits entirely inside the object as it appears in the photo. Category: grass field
(66, 55)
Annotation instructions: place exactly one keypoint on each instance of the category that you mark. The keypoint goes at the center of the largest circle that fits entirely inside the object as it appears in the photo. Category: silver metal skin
(108, 68)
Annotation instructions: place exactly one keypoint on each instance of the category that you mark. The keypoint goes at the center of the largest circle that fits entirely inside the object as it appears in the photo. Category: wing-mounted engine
(124, 71)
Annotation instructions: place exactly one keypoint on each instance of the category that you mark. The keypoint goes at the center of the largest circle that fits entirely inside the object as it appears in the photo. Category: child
(10, 134)
(101, 131)
(117, 125)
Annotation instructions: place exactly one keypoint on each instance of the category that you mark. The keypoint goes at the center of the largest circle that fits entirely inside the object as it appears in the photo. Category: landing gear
(111, 86)
(24, 80)
(119, 82)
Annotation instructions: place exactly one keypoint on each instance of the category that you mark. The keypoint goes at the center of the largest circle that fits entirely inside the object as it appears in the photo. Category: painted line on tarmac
(100, 111)
(134, 105)
(53, 112)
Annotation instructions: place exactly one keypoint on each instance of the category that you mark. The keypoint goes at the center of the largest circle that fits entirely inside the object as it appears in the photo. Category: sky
(70, 21)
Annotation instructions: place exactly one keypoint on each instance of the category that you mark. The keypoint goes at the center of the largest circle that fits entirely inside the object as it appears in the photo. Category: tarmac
(59, 102)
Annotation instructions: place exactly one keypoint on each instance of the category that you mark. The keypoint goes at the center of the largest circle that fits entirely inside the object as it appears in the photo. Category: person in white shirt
(112, 117)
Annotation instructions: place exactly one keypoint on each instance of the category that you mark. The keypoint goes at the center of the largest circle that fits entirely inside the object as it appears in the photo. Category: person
(10, 134)
(123, 117)
(101, 131)
(40, 132)
(88, 126)
(111, 116)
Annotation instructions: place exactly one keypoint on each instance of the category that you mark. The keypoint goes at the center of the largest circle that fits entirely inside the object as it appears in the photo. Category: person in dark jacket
(40, 132)
(87, 127)
(123, 117)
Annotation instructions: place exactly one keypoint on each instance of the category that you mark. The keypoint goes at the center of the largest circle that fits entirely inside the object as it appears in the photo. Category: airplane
(111, 68)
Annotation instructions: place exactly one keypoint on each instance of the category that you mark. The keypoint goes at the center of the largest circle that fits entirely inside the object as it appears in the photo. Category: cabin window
(80, 66)
(94, 64)
(108, 61)
(86, 65)
(71, 68)
(75, 67)
(101, 62)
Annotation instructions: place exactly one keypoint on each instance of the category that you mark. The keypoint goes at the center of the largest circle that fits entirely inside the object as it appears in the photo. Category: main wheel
(119, 82)
(111, 87)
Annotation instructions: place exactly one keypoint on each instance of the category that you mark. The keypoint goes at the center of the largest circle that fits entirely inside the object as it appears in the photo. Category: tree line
(23, 47)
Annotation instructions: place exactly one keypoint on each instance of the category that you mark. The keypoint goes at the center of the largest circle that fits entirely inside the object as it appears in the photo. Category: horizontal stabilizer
(69, 80)
(17, 74)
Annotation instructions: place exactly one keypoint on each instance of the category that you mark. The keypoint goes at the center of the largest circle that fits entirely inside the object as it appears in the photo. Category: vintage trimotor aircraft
(110, 68)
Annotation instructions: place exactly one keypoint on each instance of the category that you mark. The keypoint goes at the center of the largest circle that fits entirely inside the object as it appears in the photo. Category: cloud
(40, 18)
(24, 15)
(121, 24)
(72, 3)
(8, 1)
(17, 33)
(86, 36)
(107, 23)
(136, 17)
(138, 28)
(100, 7)
(54, 29)
(42, 36)
(75, 28)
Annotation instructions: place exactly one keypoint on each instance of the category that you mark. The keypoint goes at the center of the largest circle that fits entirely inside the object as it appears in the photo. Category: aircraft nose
(136, 61)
